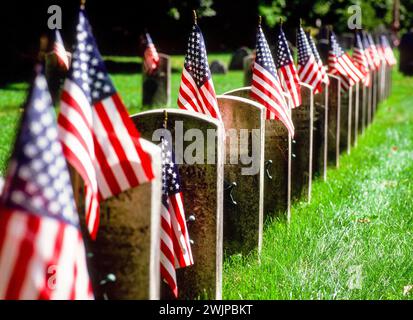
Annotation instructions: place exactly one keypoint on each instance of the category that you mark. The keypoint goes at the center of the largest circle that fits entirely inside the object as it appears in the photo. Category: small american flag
(286, 70)
(340, 63)
(387, 51)
(60, 51)
(175, 243)
(322, 67)
(308, 68)
(197, 91)
(373, 52)
(266, 87)
(367, 51)
(42, 254)
(99, 139)
(360, 60)
(150, 56)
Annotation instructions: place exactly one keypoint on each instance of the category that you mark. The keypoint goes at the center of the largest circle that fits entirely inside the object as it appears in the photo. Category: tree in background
(374, 13)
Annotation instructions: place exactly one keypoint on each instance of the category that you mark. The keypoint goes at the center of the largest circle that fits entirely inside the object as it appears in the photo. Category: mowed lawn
(355, 239)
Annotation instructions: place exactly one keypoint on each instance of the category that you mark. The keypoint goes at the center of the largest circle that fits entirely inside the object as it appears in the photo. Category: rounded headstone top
(218, 67)
(237, 60)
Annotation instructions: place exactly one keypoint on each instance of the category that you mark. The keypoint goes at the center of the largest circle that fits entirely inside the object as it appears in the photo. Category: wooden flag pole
(259, 20)
(194, 16)
(165, 119)
(43, 44)
(82, 4)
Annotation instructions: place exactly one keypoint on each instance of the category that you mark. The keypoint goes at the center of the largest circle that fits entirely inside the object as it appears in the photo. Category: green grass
(312, 257)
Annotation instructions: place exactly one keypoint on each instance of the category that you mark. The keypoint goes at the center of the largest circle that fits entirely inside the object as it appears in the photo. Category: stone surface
(55, 75)
(277, 164)
(302, 146)
(355, 114)
(374, 94)
(406, 57)
(345, 119)
(362, 115)
(156, 88)
(320, 133)
(248, 61)
(237, 60)
(127, 243)
(243, 221)
(218, 67)
(202, 185)
(334, 112)
(369, 102)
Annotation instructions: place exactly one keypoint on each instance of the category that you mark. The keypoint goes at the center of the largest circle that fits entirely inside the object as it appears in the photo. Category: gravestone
(370, 101)
(237, 60)
(156, 88)
(218, 67)
(320, 133)
(406, 57)
(355, 114)
(346, 110)
(127, 244)
(302, 146)
(362, 114)
(277, 164)
(244, 122)
(334, 113)
(55, 75)
(374, 94)
(203, 189)
(248, 61)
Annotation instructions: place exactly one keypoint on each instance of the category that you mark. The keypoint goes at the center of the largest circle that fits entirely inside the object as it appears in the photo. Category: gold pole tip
(82, 4)
(259, 20)
(194, 16)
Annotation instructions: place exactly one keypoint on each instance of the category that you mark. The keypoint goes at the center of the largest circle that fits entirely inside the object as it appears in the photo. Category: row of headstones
(227, 208)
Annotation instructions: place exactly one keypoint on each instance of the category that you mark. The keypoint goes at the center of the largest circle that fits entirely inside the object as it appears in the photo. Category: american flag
(286, 70)
(99, 140)
(373, 52)
(197, 91)
(367, 51)
(360, 60)
(340, 63)
(42, 254)
(266, 87)
(308, 68)
(175, 243)
(387, 51)
(150, 56)
(60, 51)
(322, 67)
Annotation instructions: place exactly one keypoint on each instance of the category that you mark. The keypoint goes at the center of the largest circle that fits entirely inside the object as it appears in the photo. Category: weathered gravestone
(218, 67)
(355, 114)
(202, 179)
(302, 145)
(237, 60)
(334, 113)
(55, 75)
(346, 110)
(156, 88)
(244, 122)
(406, 49)
(370, 101)
(248, 61)
(374, 94)
(125, 255)
(362, 114)
(320, 132)
(277, 163)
